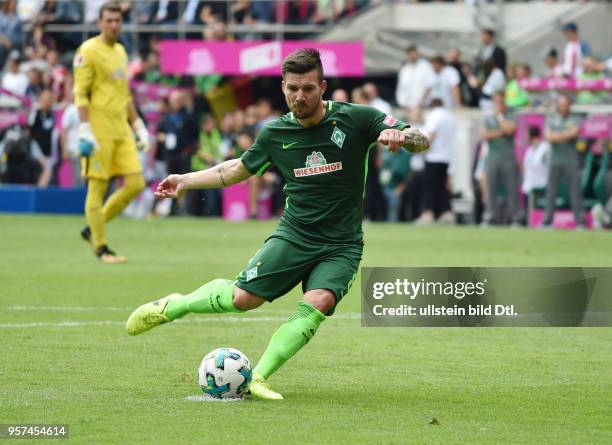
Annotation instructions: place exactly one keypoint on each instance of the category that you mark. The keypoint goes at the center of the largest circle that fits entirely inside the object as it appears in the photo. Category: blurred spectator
(41, 124)
(13, 79)
(590, 72)
(21, 160)
(358, 96)
(501, 170)
(34, 84)
(166, 12)
(553, 68)
(562, 129)
(393, 176)
(178, 135)
(414, 193)
(92, 7)
(575, 50)
(494, 82)
(58, 73)
(265, 113)
(445, 84)
(69, 138)
(517, 97)
(327, 11)
(469, 93)
(59, 11)
(490, 50)
(370, 90)
(340, 95)
(535, 164)
(206, 202)
(413, 80)
(440, 128)
(11, 30)
(144, 10)
(28, 10)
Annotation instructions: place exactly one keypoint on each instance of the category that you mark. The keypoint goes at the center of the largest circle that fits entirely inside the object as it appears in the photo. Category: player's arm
(410, 138)
(225, 174)
(84, 74)
(143, 140)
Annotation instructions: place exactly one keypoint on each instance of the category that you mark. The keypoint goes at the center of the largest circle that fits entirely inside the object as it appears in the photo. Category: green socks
(214, 297)
(289, 339)
(217, 296)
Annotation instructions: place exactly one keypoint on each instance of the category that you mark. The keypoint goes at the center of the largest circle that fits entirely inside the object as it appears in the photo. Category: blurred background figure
(575, 50)
(413, 80)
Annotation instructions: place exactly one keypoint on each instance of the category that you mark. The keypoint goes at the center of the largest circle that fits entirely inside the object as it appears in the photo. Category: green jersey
(564, 152)
(503, 146)
(325, 167)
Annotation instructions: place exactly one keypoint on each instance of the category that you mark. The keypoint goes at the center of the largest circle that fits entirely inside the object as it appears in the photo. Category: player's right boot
(259, 388)
(148, 316)
(107, 256)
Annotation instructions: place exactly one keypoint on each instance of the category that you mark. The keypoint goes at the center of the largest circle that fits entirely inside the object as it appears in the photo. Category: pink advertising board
(256, 57)
(567, 84)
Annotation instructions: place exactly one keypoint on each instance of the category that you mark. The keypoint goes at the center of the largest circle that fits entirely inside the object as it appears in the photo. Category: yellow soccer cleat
(259, 388)
(148, 316)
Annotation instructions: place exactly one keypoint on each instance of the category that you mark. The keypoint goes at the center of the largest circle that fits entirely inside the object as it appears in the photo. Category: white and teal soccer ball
(225, 373)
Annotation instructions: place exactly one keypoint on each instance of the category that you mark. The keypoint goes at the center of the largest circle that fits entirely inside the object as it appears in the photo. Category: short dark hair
(534, 132)
(303, 61)
(111, 6)
(412, 48)
(438, 59)
(488, 31)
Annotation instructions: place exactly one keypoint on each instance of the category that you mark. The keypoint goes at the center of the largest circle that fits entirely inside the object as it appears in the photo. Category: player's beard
(304, 111)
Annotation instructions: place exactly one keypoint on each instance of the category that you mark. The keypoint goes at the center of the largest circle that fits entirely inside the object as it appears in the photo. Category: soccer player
(321, 148)
(106, 141)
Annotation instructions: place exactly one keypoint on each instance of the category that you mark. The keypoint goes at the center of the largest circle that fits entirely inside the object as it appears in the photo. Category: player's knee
(135, 183)
(245, 301)
(323, 300)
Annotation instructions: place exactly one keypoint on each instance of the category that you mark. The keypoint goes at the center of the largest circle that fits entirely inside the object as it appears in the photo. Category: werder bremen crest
(315, 159)
(338, 136)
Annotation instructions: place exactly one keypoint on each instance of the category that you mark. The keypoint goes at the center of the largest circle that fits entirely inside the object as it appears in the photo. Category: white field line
(194, 320)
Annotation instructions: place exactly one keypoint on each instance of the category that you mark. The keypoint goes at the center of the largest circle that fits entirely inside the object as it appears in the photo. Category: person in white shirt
(14, 80)
(413, 80)
(553, 68)
(575, 50)
(371, 93)
(535, 164)
(495, 81)
(445, 84)
(440, 129)
(70, 142)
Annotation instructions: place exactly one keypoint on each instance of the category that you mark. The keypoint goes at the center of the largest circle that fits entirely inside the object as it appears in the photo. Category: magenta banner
(256, 57)
(567, 84)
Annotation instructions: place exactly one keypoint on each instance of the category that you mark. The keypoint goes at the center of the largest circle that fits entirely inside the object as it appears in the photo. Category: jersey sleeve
(257, 158)
(376, 121)
(83, 76)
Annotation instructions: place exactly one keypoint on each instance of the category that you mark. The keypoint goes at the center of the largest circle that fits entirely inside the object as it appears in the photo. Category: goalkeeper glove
(87, 140)
(143, 142)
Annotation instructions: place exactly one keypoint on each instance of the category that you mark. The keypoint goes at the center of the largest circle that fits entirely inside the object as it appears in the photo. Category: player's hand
(392, 138)
(416, 142)
(87, 140)
(143, 139)
(171, 187)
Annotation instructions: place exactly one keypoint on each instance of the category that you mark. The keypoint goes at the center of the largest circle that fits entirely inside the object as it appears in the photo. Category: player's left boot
(86, 234)
(259, 388)
(148, 316)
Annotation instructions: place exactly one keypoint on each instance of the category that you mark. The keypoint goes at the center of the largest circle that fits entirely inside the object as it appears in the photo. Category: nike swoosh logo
(286, 146)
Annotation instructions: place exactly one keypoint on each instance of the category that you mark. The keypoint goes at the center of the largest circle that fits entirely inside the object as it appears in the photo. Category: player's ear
(283, 86)
(323, 87)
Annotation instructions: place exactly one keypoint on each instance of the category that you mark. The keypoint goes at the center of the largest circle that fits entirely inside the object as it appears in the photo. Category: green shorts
(281, 264)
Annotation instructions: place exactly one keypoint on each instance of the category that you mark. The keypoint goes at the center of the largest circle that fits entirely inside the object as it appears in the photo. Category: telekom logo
(260, 57)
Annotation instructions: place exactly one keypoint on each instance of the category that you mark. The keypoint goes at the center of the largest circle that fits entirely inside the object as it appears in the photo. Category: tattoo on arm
(416, 141)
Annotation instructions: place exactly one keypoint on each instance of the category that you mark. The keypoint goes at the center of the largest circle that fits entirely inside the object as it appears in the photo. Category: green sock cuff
(177, 307)
(306, 310)
(216, 296)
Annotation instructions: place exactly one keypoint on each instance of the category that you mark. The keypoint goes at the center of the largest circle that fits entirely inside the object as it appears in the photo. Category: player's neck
(108, 40)
(316, 117)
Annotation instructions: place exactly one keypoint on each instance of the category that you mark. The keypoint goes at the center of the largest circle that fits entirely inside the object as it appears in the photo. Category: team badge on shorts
(338, 137)
(251, 273)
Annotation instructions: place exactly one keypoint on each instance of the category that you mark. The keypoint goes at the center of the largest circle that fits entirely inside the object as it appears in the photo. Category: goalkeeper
(321, 148)
(106, 141)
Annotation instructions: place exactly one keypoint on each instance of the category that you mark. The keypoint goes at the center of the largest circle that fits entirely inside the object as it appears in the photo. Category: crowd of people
(429, 92)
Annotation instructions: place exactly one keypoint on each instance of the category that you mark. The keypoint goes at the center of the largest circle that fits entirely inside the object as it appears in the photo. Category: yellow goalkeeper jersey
(101, 84)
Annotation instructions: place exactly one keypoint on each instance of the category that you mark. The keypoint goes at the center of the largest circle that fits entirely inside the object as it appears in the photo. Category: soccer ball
(225, 373)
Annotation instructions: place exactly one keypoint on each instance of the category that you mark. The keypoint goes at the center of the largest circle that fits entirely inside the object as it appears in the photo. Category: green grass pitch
(66, 357)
